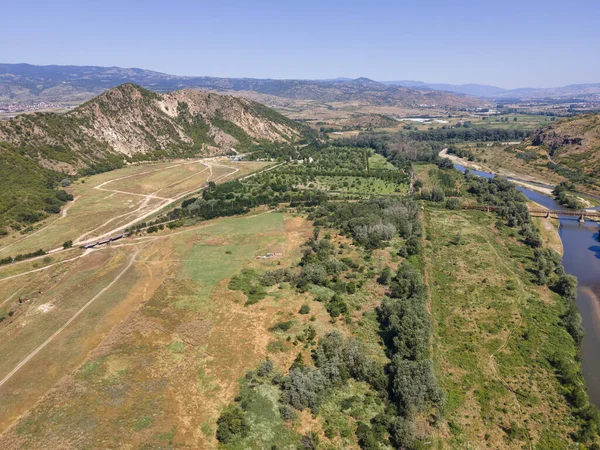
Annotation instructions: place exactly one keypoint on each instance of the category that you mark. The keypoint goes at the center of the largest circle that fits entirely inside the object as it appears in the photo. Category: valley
(311, 279)
(164, 337)
(107, 204)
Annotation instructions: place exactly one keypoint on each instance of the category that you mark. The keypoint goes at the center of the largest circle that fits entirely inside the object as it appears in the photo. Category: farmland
(273, 310)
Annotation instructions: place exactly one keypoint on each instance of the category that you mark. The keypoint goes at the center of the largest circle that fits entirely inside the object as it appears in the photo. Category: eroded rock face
(129, 120)
(554, 140)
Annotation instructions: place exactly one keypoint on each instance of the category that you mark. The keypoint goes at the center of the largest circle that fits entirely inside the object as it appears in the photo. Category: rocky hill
(572, 143)
(24, 83)
(127, 123)
(132, 123)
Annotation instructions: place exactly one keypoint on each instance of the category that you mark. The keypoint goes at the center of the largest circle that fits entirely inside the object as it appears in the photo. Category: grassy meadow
(163, 375)
(494, 332)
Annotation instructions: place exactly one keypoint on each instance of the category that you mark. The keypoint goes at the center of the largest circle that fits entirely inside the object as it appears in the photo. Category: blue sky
(508, 43)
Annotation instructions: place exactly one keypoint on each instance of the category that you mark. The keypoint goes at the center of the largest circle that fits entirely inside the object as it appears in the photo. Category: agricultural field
(108, 202)
(358, 185)
(494, 331)
(504, 121)
(377, 161)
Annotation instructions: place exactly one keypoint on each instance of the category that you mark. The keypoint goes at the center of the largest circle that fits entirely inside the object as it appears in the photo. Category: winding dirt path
(166, 201)
(75, 316)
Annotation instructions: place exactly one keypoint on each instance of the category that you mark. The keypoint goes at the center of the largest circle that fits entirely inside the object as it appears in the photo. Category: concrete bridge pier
(547, 214)
(582, 218)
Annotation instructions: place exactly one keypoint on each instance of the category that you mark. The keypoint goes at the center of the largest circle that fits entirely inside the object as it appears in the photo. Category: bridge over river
(542, 212)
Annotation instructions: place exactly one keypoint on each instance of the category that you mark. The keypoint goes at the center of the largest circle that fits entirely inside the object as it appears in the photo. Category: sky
(507, 43)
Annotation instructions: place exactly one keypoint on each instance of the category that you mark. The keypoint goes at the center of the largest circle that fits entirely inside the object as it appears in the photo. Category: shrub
(452, 203)
(232, 425)
(304, 309)
(282, 326)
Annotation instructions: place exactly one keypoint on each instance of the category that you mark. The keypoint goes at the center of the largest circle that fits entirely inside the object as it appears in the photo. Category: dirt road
(77, 314)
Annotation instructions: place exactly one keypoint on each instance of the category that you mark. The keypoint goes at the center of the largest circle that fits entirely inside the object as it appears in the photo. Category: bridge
(540, 212)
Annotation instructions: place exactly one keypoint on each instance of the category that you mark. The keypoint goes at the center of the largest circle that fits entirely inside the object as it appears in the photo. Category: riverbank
(526, 181)
(494, 333)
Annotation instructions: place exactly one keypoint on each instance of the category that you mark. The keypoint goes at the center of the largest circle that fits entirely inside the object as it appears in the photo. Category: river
(581, 257)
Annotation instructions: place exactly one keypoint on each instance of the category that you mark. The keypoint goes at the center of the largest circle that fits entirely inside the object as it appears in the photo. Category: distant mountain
(126, 123)
(487, 91)
(24, 82)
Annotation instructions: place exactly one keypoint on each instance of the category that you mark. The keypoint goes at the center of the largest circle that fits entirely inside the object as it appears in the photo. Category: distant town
(19, 108)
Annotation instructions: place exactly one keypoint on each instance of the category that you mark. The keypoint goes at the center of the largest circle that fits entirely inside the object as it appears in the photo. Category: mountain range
(21, 83)
(494, 92)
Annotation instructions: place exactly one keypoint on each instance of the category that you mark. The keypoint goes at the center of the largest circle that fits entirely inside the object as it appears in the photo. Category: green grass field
(377, 161)
(494, 329)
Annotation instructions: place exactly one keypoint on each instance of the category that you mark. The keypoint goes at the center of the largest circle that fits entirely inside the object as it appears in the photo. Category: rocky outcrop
(129, 122)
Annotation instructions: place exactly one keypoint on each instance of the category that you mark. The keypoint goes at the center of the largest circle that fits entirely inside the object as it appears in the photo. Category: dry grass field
(107, 202)
(168, 339)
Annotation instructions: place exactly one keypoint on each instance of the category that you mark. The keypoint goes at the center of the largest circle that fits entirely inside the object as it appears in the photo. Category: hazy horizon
(512, 44)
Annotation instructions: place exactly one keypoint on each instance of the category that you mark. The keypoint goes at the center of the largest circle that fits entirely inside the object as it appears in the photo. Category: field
(162, 376)
(358, 185)
(522, 122)
(377, 161)
(107, 203)
(494, 330)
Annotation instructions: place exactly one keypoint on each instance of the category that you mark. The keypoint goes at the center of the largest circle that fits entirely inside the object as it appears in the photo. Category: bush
(232, 425)
(452, 203)
(304, 309)
(68, 244)
(282, 326)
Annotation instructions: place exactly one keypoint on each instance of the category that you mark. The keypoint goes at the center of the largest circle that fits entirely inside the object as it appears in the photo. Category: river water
(581, 257)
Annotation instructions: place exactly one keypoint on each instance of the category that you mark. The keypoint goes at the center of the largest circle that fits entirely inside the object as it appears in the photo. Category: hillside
(125, 124)
(22, 83)
(131, 122)
(573, 143)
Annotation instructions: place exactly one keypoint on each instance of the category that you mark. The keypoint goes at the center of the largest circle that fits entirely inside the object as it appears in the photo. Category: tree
(68, 244)
(303, 388)
(385, 277)
(414, 385)
(232, 425)
(437, 195)
(567, 286)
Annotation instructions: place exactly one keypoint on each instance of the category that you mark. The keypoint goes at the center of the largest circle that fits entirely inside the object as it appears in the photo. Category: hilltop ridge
(131, 122)
(124, 124)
